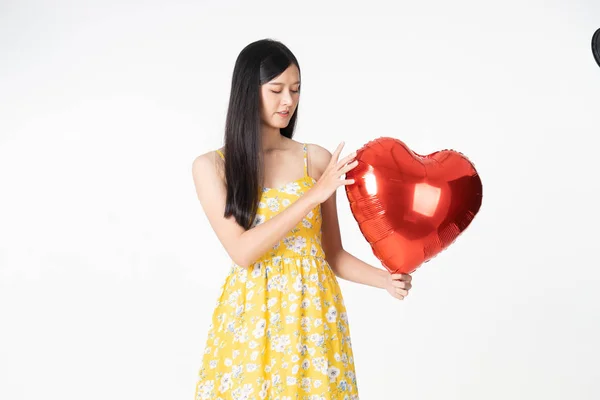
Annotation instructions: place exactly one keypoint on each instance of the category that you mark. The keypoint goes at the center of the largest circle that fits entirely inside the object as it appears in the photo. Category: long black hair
(257, 63)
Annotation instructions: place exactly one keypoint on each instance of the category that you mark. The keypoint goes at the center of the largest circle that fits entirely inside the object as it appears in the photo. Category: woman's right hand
(330, 179)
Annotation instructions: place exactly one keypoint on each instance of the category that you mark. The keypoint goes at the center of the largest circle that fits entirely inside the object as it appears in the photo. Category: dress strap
(221, 154)
(305, 160)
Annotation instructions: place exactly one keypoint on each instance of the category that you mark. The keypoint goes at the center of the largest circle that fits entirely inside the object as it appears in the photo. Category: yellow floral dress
(280, 329)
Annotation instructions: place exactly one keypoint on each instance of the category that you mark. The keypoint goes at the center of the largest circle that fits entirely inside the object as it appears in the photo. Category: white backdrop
(109, 271)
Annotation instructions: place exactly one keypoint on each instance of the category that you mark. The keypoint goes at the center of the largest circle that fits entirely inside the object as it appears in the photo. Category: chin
(276, 124)
(280, 125)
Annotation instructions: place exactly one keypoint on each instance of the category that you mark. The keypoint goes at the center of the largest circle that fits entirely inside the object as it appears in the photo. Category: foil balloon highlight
(410, 207)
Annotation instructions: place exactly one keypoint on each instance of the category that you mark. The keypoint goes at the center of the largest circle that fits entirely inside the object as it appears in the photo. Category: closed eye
(293, 91)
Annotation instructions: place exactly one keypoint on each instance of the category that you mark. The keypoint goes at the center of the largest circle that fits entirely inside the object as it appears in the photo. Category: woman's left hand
(398, 285)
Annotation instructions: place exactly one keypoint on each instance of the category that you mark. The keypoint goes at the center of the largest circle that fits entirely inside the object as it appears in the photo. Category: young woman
(280, 329)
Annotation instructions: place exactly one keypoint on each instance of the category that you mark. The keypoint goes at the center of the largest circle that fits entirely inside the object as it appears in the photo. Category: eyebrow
(279, 83)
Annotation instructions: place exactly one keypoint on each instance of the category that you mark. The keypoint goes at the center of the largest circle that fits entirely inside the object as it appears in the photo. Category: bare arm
(344, 264)
(246, 246)
(243, 246)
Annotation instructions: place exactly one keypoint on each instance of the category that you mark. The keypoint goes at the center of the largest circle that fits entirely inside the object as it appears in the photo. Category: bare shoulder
(208, 167)
(318, 156)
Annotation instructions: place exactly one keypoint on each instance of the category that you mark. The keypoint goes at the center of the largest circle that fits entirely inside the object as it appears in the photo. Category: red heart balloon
(408, 206)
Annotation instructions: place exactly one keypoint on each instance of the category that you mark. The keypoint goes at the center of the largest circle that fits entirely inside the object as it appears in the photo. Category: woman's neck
(272, 139)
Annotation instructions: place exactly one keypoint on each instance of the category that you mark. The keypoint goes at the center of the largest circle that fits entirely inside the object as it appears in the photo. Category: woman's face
(279, 98)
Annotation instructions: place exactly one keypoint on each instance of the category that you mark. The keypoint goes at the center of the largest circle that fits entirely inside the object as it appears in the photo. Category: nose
(287, 98)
